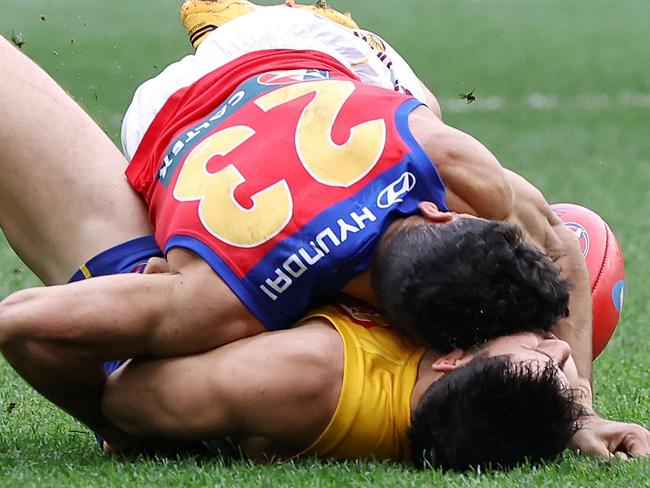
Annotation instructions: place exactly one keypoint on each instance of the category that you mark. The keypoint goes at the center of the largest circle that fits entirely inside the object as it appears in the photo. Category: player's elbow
(18, 298)
(434, 105)
(473, 173)
(12, 310)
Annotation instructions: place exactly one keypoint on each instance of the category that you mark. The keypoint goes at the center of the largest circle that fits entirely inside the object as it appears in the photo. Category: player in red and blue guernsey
(278, 180)
(284, 180)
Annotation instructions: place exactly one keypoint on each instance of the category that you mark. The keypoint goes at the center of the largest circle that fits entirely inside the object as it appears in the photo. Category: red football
(605, 264)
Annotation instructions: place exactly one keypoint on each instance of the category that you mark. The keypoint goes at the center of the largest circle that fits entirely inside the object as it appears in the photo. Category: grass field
(563, 97)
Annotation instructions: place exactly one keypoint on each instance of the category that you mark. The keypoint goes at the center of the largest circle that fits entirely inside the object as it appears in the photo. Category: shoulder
(299, 375)
(317, 345)
(303, 364)
(439, 140)
(475, 181)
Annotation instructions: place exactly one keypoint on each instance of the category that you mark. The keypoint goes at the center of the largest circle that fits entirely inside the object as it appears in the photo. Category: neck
(426, 377)
(360, 287)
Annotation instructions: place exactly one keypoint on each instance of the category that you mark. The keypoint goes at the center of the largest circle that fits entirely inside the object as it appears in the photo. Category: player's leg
(57, 337)
(63, 194)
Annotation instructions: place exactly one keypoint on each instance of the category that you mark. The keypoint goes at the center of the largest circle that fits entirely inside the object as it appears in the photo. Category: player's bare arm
(477, 184)
(273, 394)
(163, 314)
(277, 402)
(113, 317)
(531, 211)
(432, 101)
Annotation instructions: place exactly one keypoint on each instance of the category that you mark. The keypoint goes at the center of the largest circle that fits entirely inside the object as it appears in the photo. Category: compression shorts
(128, 257)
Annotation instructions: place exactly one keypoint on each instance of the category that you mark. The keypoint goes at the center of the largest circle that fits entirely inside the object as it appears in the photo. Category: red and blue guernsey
(282, 170)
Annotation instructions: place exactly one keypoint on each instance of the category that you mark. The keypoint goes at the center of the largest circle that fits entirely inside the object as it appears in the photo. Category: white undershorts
(276, 27)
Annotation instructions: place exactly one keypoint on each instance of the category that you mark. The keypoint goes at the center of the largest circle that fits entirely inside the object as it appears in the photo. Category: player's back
(368, 56)
(282, 171)
(379, 375)
(349, 374)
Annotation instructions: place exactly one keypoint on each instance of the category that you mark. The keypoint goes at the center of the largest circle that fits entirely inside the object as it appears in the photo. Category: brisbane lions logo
(291, 76)
(581, 234)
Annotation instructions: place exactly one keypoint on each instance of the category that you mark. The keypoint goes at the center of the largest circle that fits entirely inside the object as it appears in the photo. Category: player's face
(538, 348)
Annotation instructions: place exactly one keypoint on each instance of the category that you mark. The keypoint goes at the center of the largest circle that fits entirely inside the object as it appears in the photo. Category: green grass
(591, 146)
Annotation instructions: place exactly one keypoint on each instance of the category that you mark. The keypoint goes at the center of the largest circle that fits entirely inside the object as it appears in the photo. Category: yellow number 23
(327, 162)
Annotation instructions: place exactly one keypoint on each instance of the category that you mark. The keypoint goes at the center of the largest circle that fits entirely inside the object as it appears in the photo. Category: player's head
(466, 280)
(498, 409)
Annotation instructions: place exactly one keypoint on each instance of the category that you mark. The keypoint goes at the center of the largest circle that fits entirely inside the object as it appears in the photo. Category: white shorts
(277, 27)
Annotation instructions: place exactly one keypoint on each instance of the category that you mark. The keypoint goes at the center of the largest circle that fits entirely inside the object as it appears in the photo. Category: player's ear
(449, 362)
(430, 212)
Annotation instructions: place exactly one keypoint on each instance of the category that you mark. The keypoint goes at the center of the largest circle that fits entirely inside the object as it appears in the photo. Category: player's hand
(116, 442)
(607, 439)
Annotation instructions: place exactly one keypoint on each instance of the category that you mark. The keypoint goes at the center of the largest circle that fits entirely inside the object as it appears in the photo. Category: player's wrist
(583, 394)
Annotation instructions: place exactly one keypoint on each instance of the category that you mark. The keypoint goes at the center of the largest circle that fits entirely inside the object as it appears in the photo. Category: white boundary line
(539, 101)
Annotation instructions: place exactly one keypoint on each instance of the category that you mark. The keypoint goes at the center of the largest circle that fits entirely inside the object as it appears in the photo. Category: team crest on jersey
(375, 42)
(581, 234)
(291, 76)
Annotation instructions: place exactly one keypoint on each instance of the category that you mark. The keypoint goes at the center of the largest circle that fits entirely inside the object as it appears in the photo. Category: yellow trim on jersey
(85, 271)
(374, 408)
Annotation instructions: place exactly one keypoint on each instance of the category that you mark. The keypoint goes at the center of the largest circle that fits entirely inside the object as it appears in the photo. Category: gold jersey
(380, 370)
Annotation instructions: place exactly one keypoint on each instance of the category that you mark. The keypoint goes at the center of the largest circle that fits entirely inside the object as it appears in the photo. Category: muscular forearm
(544, 229)
(109, 317)
(57, 337)
(576, 329)
(48, 364)
(130, 315)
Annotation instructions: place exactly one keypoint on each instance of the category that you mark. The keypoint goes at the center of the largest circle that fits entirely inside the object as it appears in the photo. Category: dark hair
(458, 284)
(493, 413)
